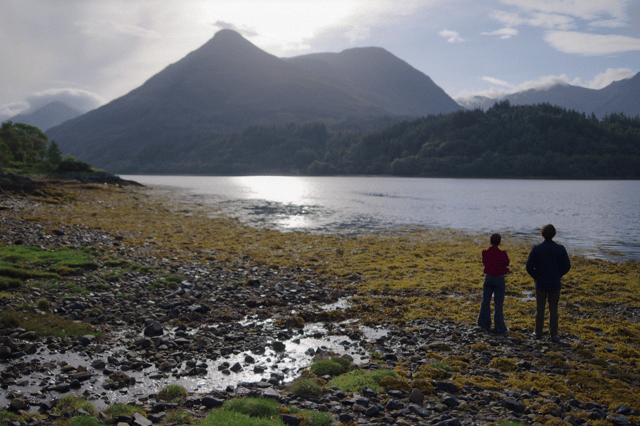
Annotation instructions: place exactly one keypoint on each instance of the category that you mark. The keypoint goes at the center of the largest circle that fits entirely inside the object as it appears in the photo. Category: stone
(154, 329)
(416, 396)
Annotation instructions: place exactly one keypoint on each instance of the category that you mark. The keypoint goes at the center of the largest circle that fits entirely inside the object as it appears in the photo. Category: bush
(71, 403)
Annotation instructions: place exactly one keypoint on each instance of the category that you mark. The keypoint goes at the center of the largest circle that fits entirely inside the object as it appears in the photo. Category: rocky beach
(178, 296)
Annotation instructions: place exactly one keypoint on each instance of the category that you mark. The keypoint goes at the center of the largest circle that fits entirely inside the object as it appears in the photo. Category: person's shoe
(555, 339)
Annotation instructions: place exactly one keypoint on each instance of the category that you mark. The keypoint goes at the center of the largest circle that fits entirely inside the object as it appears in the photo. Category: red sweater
(495, 261)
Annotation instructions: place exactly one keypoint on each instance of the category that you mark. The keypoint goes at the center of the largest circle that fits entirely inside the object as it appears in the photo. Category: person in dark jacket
(547, 263)
(495, 263)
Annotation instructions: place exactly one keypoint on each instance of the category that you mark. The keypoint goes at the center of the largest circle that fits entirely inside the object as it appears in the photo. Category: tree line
(26, 150)
(534, 141)
(538, 141)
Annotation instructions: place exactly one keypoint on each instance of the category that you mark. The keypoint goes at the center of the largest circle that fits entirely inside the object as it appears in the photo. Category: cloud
(105, 28)
(245, 31)
(590, 44)
(496, 81)
(451, 36)
(584, 9)
(82, 100)
(609, 76)
(537, 19)
(9, 110)
(608, 23)
(504, 33)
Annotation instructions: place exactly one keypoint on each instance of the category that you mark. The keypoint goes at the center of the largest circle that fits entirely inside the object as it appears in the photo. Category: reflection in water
(281, 189)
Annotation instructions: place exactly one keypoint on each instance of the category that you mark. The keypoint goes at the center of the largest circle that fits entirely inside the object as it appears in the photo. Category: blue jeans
(496, 287)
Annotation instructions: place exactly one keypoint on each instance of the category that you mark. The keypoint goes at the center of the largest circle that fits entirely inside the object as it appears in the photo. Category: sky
(89, 52)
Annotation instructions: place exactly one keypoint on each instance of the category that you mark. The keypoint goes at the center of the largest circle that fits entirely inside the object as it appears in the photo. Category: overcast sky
(89, 52)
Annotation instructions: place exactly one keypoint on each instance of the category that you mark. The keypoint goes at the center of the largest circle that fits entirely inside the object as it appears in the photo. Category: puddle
(285, 365)
(528, 296)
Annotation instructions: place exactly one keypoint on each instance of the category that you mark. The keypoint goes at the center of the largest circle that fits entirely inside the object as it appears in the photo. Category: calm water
(599, 218)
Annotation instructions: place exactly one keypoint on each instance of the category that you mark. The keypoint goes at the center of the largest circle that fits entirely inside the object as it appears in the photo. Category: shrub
(43, 305)
(305, 388)
(317, 418)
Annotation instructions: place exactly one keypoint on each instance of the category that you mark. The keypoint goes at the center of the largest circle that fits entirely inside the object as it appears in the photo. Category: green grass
(253, 407)
(71, 403)
(332, 367)
(355, 380)
(305, 388)
(172, 392)
(84, 421)
(46, 324)
(178, 417)
(123, 410)
(221, 417)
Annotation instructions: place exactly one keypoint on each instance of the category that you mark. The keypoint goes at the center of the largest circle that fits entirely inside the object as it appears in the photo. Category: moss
(503, 364)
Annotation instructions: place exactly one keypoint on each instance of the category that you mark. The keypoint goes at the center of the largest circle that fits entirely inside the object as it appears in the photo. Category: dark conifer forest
(541, 141)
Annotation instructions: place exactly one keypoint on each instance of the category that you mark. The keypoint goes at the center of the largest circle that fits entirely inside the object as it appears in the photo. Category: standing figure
(547, 263)
(495, 263)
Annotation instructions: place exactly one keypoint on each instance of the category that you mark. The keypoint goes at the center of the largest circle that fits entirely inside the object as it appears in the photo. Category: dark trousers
(542, 296)
(496, 287)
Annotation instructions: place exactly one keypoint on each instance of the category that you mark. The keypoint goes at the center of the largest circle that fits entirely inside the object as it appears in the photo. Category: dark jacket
(547, 263)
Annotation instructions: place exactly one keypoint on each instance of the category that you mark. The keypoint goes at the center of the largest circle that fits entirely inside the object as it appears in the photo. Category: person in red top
(495, 263)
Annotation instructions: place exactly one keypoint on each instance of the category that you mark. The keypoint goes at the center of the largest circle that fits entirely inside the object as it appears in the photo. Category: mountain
(619, 97)
(229, 83)
(47, 116)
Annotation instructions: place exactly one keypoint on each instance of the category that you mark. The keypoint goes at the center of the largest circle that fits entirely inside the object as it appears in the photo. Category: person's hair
(548, 232)
(495, 239)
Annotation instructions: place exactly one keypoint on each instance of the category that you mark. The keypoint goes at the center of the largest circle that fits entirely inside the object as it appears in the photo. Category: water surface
(598, 218)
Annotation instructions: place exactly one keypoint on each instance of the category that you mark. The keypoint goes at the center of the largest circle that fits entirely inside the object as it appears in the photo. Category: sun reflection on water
(281, 189)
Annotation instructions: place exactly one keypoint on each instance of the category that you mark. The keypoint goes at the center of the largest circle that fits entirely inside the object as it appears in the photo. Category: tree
(54, 155)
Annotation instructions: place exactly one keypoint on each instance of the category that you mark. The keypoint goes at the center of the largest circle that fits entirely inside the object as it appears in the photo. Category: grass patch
(253, 407)
(71, 403)
(84, 421)
(355, 380)
(333, 367)
(305, 388)
(178, 417)
(116, 410)
(233, 418)
(47, 324)
(172, 392)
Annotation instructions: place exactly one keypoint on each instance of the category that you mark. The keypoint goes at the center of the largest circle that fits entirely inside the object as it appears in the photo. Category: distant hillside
(619, 97)
(541, 141)
(50, 115)
(229, 83)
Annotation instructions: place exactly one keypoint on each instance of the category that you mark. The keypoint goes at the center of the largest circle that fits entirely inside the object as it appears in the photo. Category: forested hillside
(505, 141)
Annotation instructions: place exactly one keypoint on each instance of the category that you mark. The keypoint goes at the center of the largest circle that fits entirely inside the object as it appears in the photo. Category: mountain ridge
(47, 116)
(228, 84)
(622, 96)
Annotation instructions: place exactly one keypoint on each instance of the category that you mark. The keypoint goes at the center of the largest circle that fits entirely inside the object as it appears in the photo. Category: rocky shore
(233, 329)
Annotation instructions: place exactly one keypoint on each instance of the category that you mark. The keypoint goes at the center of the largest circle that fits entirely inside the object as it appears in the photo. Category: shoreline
(424, 285)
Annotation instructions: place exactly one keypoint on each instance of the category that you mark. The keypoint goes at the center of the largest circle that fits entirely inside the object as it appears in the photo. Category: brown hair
(495, 239)
(548, 232)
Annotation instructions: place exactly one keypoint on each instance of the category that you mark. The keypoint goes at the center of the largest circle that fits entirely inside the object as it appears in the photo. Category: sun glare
(280, 189)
